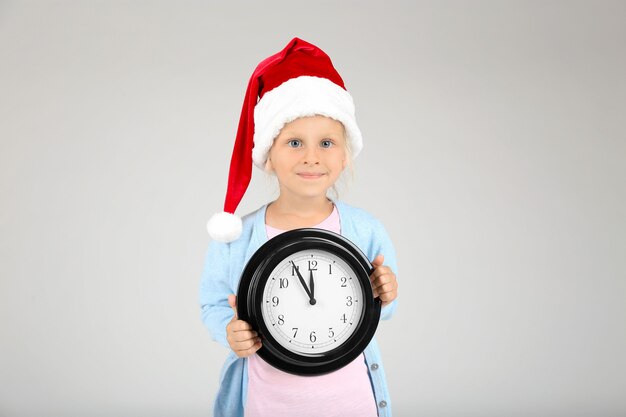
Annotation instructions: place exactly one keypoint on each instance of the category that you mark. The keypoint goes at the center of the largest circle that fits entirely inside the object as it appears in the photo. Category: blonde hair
(347, 175)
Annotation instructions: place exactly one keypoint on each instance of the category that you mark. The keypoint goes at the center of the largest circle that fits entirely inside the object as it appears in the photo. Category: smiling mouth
(310, 176)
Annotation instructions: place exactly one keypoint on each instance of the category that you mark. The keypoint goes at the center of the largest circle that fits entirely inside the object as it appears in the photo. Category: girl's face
(308, 156)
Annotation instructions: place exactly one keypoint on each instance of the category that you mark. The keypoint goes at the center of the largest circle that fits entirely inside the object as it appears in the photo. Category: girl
(303, 130)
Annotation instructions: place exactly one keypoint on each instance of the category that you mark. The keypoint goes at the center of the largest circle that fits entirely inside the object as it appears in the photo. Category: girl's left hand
(383, 281)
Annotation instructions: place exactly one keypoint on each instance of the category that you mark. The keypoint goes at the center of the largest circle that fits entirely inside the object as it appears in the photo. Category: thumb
(232, 302)
(378, 261)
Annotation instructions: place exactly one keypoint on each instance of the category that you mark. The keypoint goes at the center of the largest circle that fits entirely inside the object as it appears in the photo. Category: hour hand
(311, 299)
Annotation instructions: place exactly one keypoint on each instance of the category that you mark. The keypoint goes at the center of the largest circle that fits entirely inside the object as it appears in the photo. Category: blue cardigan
(223, 266)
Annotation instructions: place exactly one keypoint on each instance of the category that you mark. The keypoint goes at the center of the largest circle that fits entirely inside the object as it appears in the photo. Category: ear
(268, 165)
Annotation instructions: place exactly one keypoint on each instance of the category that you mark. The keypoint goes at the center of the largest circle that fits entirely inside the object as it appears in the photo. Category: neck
(293, 213)
(303, 206)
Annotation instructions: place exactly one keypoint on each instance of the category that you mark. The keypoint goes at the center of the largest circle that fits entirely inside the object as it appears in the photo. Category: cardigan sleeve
(381, 244)
(214, 290)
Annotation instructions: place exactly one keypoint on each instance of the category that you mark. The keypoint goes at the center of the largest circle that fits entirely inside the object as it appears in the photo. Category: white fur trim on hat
(301, 97)
(224, 227)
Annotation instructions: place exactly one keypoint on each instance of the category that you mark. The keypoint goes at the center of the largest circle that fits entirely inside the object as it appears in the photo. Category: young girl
(303, 130)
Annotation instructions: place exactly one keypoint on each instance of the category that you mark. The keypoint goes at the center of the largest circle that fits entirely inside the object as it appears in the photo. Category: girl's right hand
(242, 339)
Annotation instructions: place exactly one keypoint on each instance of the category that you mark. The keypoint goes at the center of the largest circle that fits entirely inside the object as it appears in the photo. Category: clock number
(295, 331)
(343, 282)
(312, 265)
(331, 333)
(284, 283)
(275, 301)
(281, 319)
(343, 318)
(330, 269)
(312, 337)
(293, 269)
(348, 301)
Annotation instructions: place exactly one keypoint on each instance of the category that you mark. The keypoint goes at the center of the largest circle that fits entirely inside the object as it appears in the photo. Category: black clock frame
(250, 300)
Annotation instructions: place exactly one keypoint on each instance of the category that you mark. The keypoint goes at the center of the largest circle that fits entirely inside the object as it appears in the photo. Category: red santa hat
(298, 81)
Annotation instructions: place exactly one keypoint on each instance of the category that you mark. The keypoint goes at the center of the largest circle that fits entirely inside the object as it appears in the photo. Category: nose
(311, 156)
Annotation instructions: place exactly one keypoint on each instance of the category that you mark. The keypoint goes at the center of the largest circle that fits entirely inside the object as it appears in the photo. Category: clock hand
(311, 299)
(312, 287)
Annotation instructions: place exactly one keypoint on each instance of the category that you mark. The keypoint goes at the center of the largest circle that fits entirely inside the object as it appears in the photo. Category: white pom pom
(224, 227)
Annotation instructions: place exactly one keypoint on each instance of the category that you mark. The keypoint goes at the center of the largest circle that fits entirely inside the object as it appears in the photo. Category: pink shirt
(343, 393)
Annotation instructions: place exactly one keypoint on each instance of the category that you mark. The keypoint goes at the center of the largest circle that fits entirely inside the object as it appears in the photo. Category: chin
(313, 193)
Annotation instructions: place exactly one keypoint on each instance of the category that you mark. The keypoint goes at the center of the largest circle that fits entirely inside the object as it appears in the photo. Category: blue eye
(295, 143)
(326, 144)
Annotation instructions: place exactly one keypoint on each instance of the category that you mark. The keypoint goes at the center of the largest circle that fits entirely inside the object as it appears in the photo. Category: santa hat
(298, 81)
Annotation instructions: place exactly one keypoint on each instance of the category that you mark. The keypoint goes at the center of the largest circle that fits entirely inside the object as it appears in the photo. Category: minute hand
(312, 285)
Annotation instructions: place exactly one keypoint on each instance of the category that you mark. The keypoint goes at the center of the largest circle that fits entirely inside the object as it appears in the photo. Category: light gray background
(494, 153)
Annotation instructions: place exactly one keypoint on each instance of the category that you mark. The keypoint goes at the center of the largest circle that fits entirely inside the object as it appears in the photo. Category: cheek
(343, 157)
(273, 160)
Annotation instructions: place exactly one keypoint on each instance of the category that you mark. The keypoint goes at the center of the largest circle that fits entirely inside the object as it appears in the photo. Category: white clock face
(312, 302)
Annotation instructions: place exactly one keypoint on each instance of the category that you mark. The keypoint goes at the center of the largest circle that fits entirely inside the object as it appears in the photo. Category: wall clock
(307, 293)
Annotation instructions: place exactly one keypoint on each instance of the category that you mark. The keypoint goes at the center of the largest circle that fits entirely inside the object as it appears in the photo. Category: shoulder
(357, 216)
(230, 256)
(248, 223)
(361, 226)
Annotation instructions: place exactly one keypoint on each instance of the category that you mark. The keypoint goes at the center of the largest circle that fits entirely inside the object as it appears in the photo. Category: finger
(246, 344)
(378, 260)
(382, 279)
(376, 284)
(386, 288)
(241, 326)
(249, 351)
(244, 336)
(384, 291)
(387, 291)
(381, 272)
(389, 296)
(379, 281)
(232, 302)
